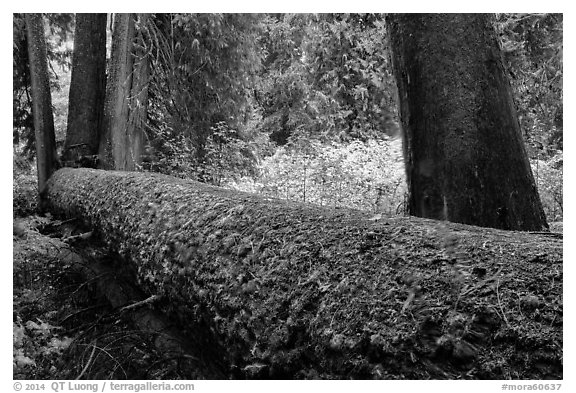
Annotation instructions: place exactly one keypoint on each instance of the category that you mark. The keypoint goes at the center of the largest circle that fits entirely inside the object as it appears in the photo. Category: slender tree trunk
(125, 105)
(113, 143)
(465, 158)
(46, 157)
(138, 104)
(87, 88)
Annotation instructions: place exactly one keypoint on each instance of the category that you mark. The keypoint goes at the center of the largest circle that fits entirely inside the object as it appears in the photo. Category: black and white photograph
(287, 196)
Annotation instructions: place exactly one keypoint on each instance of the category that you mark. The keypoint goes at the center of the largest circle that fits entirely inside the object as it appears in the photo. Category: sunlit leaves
(361, 175)
(549, 177)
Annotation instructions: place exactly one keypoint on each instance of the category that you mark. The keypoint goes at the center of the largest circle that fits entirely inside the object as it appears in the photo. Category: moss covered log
(278, 289)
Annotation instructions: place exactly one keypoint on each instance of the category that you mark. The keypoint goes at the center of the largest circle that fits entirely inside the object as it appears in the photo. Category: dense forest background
(296, 106)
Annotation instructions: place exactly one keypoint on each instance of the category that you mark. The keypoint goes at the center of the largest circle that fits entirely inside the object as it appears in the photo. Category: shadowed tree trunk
(126, 97)
(87, 88)
(465, 158)
(46, 158)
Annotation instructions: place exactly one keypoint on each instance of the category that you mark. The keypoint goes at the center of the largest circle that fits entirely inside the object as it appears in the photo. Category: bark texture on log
(286, 290)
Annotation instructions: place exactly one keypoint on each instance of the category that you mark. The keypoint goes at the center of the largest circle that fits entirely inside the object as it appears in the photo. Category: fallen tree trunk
(286, 290)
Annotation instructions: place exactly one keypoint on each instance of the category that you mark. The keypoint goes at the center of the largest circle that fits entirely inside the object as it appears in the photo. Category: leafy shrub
(170, 153)
(225, 156)
(549, 175)
(24, 187)
(35, 344)
(362, 175)
(39, 278)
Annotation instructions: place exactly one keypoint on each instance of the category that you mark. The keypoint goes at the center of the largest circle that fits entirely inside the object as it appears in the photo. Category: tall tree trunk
(46, 157)
(465, 158)
(138, 104)
(125, 105)
(113, 143)
(87, 88)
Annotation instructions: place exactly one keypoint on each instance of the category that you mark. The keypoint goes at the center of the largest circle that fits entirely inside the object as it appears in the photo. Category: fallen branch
(146, 302)
(82, 236)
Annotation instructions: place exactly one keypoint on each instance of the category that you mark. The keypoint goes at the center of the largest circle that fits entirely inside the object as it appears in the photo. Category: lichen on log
(287, 290)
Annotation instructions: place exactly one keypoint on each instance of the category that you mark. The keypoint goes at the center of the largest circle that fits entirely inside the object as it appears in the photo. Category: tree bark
(465, 158)
(87, 89)
(113, 144)
(46, 156)
(138, 104)
(286, 290)
(125, 106)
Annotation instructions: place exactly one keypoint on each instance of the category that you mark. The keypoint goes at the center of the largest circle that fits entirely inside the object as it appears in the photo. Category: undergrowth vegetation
(364, 175)
(548, 175)
(64, 328)
(361, 175)
(38, 343)
(24, 187)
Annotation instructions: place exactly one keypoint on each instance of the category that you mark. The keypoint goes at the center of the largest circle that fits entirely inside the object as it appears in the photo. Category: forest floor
(65, 329)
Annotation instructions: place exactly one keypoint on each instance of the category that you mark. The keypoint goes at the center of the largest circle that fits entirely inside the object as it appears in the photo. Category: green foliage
(361, 175)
